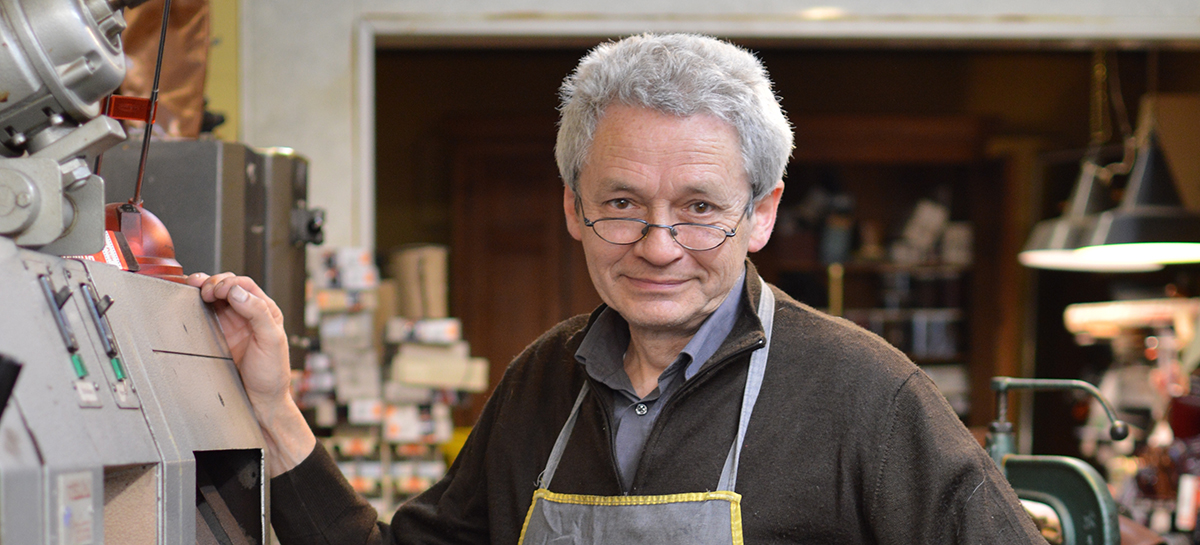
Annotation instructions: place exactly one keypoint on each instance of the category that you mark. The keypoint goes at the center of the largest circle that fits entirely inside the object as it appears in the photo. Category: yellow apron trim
(581, 499)
(734, 499)
(735, 517)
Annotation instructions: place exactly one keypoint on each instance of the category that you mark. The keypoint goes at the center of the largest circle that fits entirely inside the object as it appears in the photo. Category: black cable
(162, 41)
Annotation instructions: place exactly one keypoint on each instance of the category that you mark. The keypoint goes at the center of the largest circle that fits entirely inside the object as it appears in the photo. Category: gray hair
(679, 74)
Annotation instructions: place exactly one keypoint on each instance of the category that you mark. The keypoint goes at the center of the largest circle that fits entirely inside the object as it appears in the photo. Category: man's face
(665, 170)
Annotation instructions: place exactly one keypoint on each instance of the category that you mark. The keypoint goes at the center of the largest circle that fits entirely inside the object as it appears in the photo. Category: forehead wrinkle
(707, 152)
(685, 157)
(688, 163)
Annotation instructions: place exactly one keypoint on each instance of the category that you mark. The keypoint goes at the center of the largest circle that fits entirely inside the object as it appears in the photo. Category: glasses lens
(619, 231)
(699, 237)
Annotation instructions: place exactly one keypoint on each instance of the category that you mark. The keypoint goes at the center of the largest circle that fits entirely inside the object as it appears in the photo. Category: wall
(221, 82)
(302, 63)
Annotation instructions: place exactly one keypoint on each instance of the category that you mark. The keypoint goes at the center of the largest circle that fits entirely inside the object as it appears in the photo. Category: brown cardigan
(849, 443)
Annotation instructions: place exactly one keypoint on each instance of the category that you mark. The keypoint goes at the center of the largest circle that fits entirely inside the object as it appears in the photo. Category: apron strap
(561, 443)
(754, 378)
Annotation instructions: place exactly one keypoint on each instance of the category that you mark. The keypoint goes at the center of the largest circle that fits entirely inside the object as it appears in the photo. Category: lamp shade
(1151, 224)
(1054, 242)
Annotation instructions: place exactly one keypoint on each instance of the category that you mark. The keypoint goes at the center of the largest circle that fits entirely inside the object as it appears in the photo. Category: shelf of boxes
(429, 369)
(379, 388)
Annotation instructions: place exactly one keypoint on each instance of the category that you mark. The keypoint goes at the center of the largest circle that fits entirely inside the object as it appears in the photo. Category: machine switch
(98, 307)
(57, 299)
(85, 389)
(106, 335)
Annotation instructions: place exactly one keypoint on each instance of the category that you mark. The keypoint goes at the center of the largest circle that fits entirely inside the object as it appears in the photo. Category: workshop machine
(1068, 497)
(234, 208)
(123, 419)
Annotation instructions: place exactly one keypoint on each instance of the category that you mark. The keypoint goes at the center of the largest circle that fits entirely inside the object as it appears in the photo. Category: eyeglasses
(698, 237)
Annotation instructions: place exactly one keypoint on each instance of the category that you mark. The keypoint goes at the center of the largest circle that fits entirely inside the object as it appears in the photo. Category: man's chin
(665, 320)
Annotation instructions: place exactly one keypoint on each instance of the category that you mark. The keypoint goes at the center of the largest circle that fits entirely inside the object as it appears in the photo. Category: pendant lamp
(1054, 242)
(1150, 225)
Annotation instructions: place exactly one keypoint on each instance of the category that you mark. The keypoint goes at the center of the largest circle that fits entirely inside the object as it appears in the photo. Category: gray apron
(700, 518)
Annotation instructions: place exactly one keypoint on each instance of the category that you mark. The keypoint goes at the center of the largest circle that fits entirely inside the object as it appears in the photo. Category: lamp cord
(1098, 119)
(1106, 172)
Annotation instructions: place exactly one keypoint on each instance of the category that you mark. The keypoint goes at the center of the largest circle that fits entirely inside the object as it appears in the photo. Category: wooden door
(516, 271)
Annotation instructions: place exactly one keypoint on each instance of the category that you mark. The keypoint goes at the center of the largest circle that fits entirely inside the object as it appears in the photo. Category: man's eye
(620, 204)
(702, 207)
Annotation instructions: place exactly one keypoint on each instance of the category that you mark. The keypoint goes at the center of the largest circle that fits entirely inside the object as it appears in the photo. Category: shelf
(904, 314)
(862, 267)
(888, 164)
(888, 139)
(956, 359)
(927, 335)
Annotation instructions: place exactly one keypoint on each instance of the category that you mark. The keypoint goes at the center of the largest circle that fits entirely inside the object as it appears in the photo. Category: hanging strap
(754, 378)
(758, 366)
(561, 443)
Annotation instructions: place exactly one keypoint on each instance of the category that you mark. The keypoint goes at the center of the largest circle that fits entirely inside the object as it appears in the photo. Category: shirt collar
(602, 349)
(713, 331)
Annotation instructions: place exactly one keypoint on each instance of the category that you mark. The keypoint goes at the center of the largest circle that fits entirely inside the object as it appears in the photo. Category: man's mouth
(655, 284)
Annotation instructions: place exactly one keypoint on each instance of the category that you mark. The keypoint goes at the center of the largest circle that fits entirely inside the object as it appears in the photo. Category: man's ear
(763, 221)
(572, 214)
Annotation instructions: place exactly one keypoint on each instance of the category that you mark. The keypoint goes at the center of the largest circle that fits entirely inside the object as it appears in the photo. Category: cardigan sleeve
(934, 483)
(313, 503)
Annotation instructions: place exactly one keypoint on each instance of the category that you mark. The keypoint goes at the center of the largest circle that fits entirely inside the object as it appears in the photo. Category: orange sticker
(116, 253)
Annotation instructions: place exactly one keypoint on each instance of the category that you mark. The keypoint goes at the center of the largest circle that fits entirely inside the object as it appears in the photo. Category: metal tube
(1001, 385)
(162, 41)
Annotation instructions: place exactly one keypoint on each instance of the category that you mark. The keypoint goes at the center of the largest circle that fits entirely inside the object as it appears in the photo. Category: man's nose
(658, 246)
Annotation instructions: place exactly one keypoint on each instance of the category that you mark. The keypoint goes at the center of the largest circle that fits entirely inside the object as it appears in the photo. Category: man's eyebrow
(615, 185)
(685, 190)
(717, 195)
(693, 189)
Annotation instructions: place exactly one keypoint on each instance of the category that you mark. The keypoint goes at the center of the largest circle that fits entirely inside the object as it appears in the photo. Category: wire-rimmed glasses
(698, 237)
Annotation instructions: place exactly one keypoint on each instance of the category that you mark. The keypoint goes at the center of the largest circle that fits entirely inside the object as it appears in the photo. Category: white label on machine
(89, 398)
(125, 398)
(75, 508)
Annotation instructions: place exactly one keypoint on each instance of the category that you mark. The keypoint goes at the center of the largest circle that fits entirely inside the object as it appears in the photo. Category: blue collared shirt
(602, 353)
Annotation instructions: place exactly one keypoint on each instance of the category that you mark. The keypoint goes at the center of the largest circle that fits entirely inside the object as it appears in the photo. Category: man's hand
(253, 327)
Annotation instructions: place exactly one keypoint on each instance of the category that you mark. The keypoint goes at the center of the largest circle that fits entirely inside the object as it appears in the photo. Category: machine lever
(93, 304)
(104, 304)
(1119, 429)
(57, 300)
(61, 296)
(102, 326)
(1000, 441)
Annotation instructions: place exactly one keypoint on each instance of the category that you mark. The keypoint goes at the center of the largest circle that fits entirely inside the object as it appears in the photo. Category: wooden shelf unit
(888, 163)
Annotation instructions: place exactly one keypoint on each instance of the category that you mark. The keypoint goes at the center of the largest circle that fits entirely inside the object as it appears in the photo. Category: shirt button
(641, 409)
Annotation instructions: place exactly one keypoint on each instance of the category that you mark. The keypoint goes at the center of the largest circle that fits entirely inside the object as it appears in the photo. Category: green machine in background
(1081, 511)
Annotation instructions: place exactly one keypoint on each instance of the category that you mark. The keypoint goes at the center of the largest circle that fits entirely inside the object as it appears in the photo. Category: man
(698, 404)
